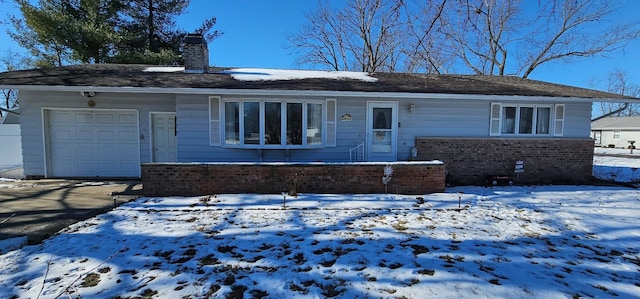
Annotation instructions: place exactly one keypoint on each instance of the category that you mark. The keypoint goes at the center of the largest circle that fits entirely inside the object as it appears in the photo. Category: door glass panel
(382, 120)
(251, 123)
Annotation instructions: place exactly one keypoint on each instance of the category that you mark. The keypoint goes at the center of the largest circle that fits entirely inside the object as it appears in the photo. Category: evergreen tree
(59, 32)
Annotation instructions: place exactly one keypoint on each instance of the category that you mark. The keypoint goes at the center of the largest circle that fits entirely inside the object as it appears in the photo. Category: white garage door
(93, 143)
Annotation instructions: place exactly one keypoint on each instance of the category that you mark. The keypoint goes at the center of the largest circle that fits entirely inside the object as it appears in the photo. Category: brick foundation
(546, 161)
(186, 179)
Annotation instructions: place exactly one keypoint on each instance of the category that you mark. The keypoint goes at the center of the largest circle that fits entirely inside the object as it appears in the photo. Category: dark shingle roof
(114, 75)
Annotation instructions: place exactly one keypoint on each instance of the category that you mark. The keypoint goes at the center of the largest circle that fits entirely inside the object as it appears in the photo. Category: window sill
(274, 147)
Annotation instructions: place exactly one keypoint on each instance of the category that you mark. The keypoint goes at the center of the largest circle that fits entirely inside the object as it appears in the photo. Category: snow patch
(257, 74)
(164, 69)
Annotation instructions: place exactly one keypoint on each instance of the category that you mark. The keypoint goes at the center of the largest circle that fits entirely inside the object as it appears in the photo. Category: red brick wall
(164, 179)
(552, 160)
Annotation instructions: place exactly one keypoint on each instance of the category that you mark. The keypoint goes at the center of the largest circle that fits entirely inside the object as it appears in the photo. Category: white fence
(10, 151)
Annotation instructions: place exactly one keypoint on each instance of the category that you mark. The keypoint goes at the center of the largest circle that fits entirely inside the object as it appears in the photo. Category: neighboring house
(10, 146)
(10, 118)
(616, 131)
(104, 120)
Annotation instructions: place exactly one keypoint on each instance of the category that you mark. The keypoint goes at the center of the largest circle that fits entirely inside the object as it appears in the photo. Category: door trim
(393, 155)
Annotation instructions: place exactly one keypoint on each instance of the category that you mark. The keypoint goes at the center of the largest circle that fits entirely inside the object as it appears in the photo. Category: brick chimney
(196, 54)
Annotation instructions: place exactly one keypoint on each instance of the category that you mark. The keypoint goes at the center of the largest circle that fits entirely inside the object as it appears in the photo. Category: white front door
(382, 131)
(163, 126)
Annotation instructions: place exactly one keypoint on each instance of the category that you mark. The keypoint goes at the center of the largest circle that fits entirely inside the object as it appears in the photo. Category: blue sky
(255, 36)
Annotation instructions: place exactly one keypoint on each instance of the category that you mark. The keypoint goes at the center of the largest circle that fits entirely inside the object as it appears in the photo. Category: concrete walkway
(39, 208)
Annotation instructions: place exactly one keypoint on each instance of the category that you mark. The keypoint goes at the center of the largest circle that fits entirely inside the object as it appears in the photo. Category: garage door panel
(86, 167)
(61, 152)
(60, 135)
(127, 153)
(129, 169)
(93, 143)
(84, 135)
(84, 117)
(106, 136)
(105, 118)
(108, 168)
(59, 117)
(127, 118)
(127, 136)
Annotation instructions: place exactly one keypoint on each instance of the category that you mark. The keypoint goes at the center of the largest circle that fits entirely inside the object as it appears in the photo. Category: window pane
(526, 120)
(382, 118)
(272, 123)
(251, 123)
(294, 123)
(232, 123)
(508, 120)
(542, 120)
(314, 123)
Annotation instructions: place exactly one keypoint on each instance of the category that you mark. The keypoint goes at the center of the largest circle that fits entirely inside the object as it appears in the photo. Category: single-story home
(616, 131)
(106, 120)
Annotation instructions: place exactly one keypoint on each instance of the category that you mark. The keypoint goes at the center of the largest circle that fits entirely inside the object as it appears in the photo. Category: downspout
(612, 112)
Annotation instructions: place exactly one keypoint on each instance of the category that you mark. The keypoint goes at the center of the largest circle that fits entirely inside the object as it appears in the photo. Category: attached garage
(92, 143)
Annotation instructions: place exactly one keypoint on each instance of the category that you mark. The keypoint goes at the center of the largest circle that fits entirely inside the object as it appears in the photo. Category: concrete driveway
(36, 209)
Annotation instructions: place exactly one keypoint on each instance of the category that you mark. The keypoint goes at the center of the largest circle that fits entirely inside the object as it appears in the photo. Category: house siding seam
(167, 179)
(470, 160)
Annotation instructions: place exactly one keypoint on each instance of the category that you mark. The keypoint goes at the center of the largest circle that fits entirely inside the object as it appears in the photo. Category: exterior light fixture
(412, 108)
(87, 94)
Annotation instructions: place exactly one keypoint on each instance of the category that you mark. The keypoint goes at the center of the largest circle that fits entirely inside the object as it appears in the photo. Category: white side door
(163, 145)
(382, 131)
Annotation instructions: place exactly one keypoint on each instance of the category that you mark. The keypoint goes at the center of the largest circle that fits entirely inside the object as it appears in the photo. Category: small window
(616, 134)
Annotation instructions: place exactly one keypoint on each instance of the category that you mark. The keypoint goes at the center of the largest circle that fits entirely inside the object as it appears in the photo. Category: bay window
(273, 123)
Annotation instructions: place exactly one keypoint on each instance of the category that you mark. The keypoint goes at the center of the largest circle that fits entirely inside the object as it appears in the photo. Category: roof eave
(319, 93)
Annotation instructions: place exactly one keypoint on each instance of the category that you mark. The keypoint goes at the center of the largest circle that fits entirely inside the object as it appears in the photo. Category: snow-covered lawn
(617, 168)
(509, 242)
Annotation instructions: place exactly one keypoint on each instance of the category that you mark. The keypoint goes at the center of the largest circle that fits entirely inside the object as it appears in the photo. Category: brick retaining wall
(188, 179)
(552, 160)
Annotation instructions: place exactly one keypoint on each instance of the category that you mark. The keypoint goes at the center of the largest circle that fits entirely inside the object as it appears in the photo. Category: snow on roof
(164, 69)
(257, 74)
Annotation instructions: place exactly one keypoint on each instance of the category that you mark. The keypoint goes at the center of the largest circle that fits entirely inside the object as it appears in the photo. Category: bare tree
(480, 32)
(10, 62)
(493, 37)
(509, 37)
(425, 45)
(363, 35)
(618, 82)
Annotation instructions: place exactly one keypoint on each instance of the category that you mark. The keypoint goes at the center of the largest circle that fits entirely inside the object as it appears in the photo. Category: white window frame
(496, 119)
(283, 125)
(617, 134)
